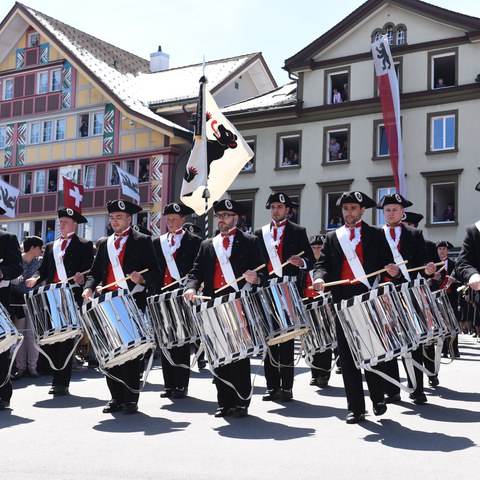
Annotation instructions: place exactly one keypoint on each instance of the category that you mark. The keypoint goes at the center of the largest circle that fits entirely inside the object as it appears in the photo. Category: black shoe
(130, 407)
(418, 398)
(167, 393)
(433, 381)
(112, 406)
(223, 412)
(202, 364)
(240, 412)
(272, 395)
(394, 398)
(18, 374)
(180, 392)
(285, 396)
(456, 354)
(338, 370)
(313, 382)
(4, 404)
(322, 382)
(355, 417)
(58, 390)
(379, 408)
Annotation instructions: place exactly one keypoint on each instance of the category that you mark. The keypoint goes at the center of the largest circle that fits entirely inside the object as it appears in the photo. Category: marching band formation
(369, 295)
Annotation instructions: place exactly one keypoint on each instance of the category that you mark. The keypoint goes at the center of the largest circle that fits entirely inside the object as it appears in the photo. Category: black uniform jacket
(468, 262)
(11, 266)
(246, 255)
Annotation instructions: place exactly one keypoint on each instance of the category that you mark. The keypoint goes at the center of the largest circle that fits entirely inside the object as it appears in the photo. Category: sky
(188, 30)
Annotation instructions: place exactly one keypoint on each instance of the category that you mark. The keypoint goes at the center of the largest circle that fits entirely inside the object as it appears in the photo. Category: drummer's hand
(474, 281)
(319, 285)
(87, 294)
(296, 260)
(136, 278)
(251, 277)
(98, 290)
(30, 282)
(450, 280)
(189, 294)
(430, 268)
(392, 270)
(437, 276)
(79, 278)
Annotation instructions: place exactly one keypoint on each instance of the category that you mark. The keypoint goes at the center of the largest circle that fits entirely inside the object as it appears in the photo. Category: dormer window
(33, 39)
(7, 90)
(397, 34)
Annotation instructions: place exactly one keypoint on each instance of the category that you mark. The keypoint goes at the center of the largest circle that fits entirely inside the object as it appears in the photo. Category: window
(336, 144)
(114, 177)
(97, 123)
(144, 170)
(83, 128)
(390, 34)
(39, 183)
(3, 134)
(247, 199)
(89, 177)
(56, 81)
(27, 183)
(7, 93)
(380, 143)
(288, 148)
(60, 129)
(442, 132)
(42, 82)
(443, 69)
(337, 86)
(249, 167)
(35, 133)
(401, 36)
(381, 192)
(294, 192)
(330, 192)
(129, 166)
(52, 180)
(90, 124)
(33, 39)
(47, 131)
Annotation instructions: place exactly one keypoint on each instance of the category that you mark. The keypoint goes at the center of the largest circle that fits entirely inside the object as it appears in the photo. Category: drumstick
(175, 282)
(332, 284)
(71, 278)
(285, 263)
(121, 280)
(202, 297)
(239, 278)
(364, 277)
(415, 269)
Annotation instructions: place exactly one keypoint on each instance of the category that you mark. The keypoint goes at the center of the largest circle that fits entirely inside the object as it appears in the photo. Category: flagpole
(201, 124)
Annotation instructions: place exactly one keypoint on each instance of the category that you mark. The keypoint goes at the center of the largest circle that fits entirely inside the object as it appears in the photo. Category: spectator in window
(440, 83)
(337, 97)
(345, 93)
(115, 179)
(333, 148)
(342, 153)
(248, 166)
(84, 129)
(143, 176)
(52, 186)
(288, 159)
(295, 159)
(28, 187)
(449, 213)
(50, 236)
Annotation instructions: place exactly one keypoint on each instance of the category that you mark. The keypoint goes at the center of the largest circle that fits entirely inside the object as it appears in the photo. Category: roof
(281, 97)
(303, 57)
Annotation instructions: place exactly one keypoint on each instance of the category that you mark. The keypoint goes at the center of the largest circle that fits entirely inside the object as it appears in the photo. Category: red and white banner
(390, 98)
(72, 195)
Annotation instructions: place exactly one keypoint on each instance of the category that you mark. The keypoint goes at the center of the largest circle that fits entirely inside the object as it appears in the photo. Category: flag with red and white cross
(73, 195)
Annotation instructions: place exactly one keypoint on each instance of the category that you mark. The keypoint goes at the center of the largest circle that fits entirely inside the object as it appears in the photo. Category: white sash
(58, 257)
(171, 264)
(397, 257)
(115, 262)
(350, 255)
(224, 261)
(271, 250)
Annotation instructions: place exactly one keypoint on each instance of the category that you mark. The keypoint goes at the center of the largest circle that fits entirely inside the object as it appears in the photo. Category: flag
(129, 184)
(390, 99)
(72, 195)
(218, 155)
(8, 198)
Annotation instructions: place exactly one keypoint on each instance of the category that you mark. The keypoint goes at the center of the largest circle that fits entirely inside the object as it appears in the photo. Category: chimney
(159, 61)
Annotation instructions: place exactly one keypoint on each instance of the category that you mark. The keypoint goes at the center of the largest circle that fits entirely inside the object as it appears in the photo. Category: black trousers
(322, 363)
(352, 377)
(130, 373)
(238, 374)
(58, 353)
(280, 376)
(173, 376)
(6, 390)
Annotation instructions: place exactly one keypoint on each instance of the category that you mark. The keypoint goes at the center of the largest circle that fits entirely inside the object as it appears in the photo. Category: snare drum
(230, 329)
(9, 335)
(421, 310)
(282, 312)
(54, 313)
(322, 335)
(447, 315)
(171, 317)
(117, 329)
(374, 326)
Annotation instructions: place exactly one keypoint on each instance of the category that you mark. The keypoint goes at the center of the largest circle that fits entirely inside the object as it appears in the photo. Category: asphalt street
(70, 438)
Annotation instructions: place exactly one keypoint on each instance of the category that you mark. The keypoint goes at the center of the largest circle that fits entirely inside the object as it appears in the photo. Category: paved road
(69, 437)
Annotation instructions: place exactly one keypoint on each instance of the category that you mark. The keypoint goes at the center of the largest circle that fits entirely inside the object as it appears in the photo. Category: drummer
(283, 240)
(125, 252)
(10, 268)
(241, 255)
(406, 244)
(321, 362)
(68, 257)
(351, 251)
(176, 251)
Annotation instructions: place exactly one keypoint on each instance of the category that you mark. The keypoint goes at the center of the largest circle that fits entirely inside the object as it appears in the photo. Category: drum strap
(115, 261)
(477, 224)
(350, 255)
(397, 256)
(272, 250)
(58, 254)
(171, 264)
(224, 261)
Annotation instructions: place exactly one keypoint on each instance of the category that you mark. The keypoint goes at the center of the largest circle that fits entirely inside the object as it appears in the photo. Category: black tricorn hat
(141, 229)
(2, 211)
(444, 243)
(317, 240)
(413, 218)
(229, 205)
(356, 197)
(280, 197)
(477, 187)
(177, 208)
(70, 213)
(394, 199)
(123, 206)
(192, 228)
